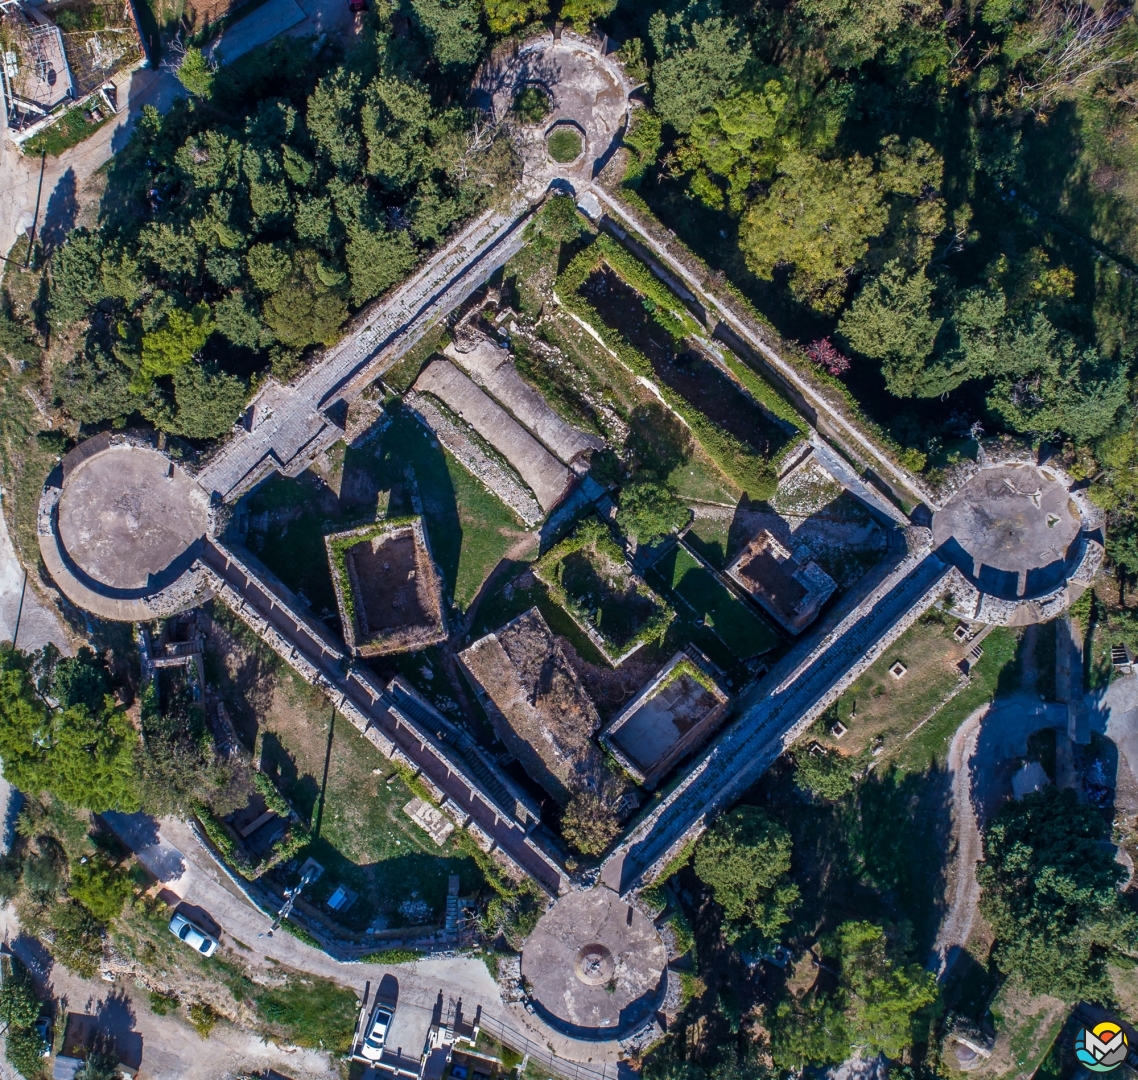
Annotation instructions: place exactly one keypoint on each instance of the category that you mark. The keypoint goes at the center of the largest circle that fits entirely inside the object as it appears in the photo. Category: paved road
(171, 852)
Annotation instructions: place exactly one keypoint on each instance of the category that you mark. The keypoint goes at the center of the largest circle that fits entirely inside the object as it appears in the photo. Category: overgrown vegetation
(243, 226)
(588, 574)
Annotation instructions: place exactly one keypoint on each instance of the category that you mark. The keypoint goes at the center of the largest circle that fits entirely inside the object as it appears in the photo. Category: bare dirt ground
(961, 885)
(171, 1049)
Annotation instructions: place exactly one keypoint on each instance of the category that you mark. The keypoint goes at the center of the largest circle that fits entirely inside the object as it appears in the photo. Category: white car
(372, 1046)
(193, 935)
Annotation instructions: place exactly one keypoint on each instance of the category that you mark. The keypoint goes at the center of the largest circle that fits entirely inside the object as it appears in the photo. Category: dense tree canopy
(1050, 893)
(247, 223)
(939, 192)
(83, 754)
(744, 858)
(875, 1007)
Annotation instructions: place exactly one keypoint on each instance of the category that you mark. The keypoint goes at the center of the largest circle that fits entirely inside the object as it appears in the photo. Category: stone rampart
(374, 712)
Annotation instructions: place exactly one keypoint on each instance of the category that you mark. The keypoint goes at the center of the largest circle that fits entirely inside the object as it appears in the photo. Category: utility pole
(19, 611)
(290, 899)
(36, 217)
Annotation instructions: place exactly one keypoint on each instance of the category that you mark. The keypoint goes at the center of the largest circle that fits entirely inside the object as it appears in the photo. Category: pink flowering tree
(825, 355)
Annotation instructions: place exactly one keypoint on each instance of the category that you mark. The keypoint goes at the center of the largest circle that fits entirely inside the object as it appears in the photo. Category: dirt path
(176, 858)
(170, 1048)
(981, 758)
(963, 888)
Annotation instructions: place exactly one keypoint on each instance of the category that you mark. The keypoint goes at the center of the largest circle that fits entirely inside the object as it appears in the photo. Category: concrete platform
(596, 966)
(127, 513)
(120, 530)
(1010, 529)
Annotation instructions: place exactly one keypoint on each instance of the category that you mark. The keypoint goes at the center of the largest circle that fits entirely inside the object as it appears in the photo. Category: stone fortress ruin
(129, 534)
(388, 589)
(791, 587)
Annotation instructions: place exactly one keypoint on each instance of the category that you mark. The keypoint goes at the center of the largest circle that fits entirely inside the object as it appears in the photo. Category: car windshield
(204, 946)
(185, 931)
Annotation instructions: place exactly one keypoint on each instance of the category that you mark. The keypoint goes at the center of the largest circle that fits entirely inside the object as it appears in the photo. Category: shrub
(589, 822)
(532, 104)
(100, 887)
(78, 944)
(163, 1002)
(203, 1018)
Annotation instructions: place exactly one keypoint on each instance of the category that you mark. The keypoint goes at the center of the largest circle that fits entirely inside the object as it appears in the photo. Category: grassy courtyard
(469, 529)
(740, 628)
(362, 837)
(880, 707)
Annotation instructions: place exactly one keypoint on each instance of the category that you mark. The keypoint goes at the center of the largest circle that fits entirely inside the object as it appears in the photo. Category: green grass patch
(313, 1013)
(64, 133)
(366, 841)
(469, 529)
(588, 574)
(392, 956)
(565, 145)
(929, 746)
(742, 630)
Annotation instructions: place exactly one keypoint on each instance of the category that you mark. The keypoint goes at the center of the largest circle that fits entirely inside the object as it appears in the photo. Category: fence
(541, 1055)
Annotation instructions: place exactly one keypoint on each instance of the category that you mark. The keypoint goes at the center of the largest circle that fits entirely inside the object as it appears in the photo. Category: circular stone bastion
(595, 966)
(120, 527)
(1020, 539)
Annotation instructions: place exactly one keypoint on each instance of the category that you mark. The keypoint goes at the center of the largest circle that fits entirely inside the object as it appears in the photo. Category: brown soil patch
(391, 590)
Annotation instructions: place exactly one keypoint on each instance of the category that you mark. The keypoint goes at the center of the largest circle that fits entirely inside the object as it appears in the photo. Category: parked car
(377, 1029)
(43, 1029)
(193, 935)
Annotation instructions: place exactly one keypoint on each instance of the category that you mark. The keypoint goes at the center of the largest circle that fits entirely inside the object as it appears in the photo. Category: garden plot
(740, 421)
(589, 576)
(682, 368)
(745, 633)
(545, 476)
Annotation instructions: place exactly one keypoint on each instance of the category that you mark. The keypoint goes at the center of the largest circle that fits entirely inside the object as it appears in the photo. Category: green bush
(163, 1002)
(203, 1018)
(565, 145)
(100, 887)
(828, 774)
(532, 104)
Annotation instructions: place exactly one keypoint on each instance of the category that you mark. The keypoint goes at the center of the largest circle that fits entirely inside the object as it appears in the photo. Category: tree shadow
(279, 765)
(61, 212)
